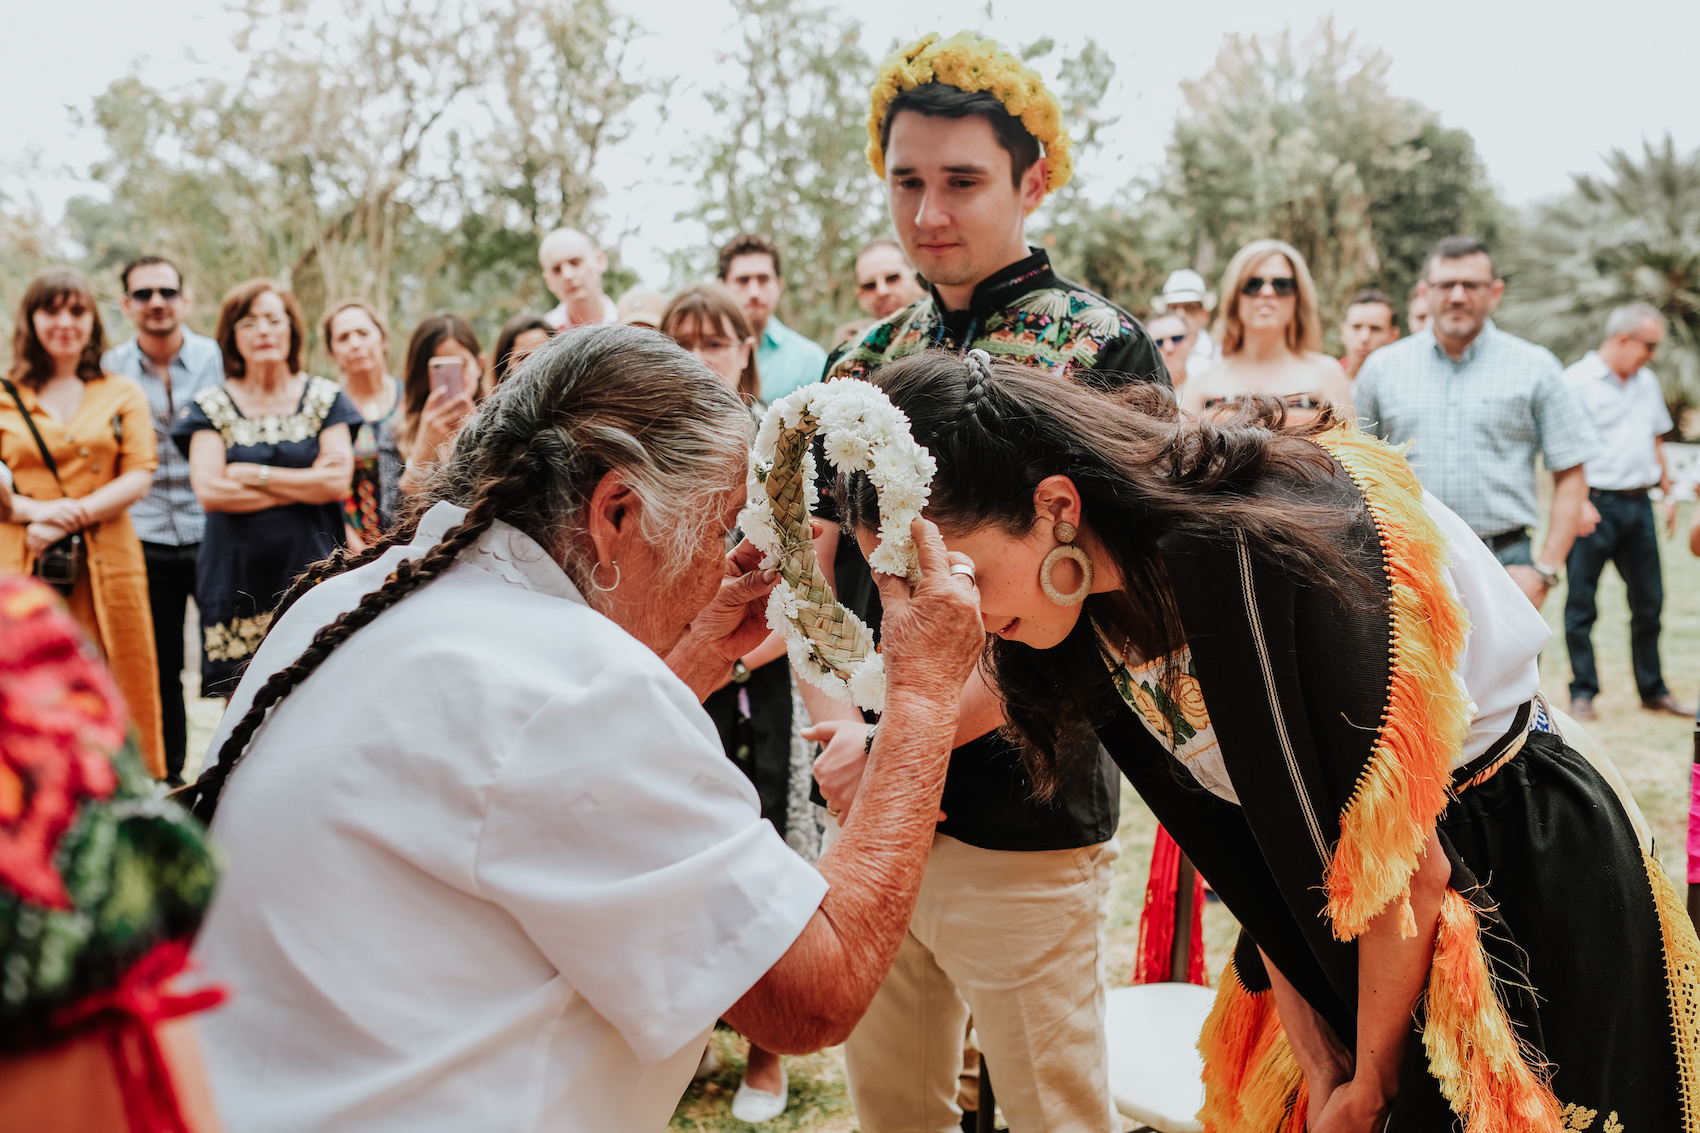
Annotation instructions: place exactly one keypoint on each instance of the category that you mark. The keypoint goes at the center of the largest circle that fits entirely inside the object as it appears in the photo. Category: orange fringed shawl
(1253, 1083)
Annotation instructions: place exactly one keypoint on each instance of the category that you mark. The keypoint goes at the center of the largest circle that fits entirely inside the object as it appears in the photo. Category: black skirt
(1575, 939)
(754, 722)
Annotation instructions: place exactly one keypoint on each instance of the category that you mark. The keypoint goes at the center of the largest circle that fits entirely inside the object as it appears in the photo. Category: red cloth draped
(1157, 919)
(129, 1016)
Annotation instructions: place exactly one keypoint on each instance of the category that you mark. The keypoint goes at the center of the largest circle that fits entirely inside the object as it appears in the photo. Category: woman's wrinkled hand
(735, 619)
(842, 762)
(931, 637)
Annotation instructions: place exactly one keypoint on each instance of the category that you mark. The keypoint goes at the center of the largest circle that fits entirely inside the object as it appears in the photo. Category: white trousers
(1016, 939)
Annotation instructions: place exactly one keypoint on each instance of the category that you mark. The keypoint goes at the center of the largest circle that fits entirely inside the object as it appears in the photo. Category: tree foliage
(1303, 141)
(408, 151)
(787, 156)
(1630, 235)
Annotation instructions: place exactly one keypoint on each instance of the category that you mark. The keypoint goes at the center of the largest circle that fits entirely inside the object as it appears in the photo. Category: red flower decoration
(61, 718)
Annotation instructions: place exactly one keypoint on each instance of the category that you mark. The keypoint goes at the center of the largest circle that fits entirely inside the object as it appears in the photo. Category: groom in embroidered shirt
(1014, 937)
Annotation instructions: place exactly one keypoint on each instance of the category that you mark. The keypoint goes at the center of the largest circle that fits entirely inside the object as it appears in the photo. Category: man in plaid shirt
(1478, 405)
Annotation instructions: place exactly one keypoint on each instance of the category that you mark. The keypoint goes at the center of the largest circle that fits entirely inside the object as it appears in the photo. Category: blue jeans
(1628, 538)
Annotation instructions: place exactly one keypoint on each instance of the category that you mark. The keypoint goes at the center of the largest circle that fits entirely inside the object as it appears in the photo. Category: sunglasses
(146, 294)
(1285, 286)
(1171, 340)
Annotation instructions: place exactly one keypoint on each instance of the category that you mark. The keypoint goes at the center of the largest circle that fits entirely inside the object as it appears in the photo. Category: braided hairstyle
(1143, 472)
(601, 398)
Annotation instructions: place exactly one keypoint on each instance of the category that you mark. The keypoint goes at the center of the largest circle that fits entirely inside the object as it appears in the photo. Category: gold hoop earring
(1065, 549)
(597, 585)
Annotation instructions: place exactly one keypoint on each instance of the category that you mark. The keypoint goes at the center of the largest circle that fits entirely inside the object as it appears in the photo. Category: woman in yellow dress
(97, 430)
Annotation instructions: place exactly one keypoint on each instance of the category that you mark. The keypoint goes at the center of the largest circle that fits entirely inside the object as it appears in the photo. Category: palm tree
(1633, 234)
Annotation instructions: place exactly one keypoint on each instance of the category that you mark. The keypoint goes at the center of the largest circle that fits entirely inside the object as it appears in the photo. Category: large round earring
(1065, 549)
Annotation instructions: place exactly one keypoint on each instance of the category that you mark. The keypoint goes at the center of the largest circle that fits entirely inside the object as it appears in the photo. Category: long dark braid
(340, 561)
(531, 456)
(202, 796)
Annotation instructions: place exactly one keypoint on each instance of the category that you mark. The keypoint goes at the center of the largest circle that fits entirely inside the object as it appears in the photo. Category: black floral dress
(247, 561)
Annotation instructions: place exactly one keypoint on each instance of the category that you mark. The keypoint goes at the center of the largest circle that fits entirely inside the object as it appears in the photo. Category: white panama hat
(1183, 286)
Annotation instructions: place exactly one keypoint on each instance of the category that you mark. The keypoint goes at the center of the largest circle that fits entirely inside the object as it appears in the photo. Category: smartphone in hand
(448, 375)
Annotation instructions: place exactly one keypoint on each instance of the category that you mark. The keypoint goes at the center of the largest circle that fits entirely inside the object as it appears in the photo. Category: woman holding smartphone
(271, 461)
(442, 381)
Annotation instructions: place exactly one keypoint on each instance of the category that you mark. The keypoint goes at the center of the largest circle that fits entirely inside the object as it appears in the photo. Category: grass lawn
(1653, 752)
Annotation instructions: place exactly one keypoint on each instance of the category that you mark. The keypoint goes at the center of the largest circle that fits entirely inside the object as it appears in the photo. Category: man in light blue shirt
(1477, 406)
(1626, 402)
(172, 364)
(749, 265)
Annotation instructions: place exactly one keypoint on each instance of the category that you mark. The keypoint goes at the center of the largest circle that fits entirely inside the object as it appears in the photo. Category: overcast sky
(1545, 93)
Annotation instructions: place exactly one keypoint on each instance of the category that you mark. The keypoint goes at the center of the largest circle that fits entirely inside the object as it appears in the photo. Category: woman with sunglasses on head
(80, 446)
(1271, 338)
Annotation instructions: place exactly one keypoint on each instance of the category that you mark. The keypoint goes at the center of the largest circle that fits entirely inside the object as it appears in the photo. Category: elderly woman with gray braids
(488, 866)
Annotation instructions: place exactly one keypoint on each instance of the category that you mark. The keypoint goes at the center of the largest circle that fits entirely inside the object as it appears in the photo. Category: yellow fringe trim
(1252, 1081)
(1407, 782)
(1472, 1049)
(1682, 978)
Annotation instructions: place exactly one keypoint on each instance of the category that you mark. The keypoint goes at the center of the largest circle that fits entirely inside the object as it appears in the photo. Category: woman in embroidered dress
(271, 462)
(99, 430)
(1271, 337)
(359, 344)
(1266, 626)
(757, 712)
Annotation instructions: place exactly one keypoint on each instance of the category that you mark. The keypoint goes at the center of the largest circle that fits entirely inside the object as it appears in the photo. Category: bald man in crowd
(573, 267)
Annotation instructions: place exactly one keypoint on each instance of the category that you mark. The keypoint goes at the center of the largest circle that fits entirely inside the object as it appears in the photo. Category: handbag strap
(46, 456)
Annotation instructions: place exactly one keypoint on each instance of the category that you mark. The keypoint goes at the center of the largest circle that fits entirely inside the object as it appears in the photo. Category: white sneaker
(753, 1106)
(709, 1064)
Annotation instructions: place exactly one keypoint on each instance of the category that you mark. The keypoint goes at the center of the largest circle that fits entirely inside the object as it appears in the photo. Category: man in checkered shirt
(1478, 405)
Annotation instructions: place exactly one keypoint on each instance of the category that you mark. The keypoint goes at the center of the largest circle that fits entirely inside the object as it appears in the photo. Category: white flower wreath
(862, 431)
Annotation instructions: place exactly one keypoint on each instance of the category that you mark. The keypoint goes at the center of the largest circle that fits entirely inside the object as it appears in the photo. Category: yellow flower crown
(969, 63)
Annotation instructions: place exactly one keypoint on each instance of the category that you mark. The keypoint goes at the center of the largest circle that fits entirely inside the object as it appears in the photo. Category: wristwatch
(1549, 576)
(740, 672)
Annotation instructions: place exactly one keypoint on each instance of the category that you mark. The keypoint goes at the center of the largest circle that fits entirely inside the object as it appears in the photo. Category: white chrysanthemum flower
(844, 450)
(867, 684)
(811, 493)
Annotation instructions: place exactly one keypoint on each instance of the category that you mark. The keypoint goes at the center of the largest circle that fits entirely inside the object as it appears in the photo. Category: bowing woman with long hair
(1325, 688)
